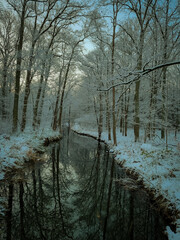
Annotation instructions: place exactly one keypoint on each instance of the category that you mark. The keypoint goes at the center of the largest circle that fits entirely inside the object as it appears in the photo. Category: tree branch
(125, 30)
(139, 74)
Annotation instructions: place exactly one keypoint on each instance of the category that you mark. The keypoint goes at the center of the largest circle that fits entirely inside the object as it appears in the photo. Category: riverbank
(150, 162)
(15, 149)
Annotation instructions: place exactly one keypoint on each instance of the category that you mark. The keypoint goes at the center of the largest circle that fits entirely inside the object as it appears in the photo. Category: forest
(109, 63)
(108, 69)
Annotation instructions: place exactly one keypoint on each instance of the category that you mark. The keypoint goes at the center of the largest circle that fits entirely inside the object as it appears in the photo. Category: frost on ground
(159, 167)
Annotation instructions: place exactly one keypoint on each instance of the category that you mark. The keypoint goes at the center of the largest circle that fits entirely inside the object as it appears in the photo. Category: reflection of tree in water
(38, 212)
(74, 196)
(107, 210)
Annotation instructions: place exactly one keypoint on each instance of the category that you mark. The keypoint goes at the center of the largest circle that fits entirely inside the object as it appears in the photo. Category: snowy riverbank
(159, 169)
(14, 149)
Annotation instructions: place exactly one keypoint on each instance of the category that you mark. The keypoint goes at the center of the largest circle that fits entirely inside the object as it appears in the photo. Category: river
(78, 193)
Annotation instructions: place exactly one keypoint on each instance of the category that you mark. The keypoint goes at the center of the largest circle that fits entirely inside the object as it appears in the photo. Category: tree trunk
(39, 115)
(18, 69)
(61, 107)
(35, 109)
(136, 118)
(4, 91)
(54, 127)
(137, 88)
(125, 121)
(57, 102)
(122, 114)
(43, 72)
(108, 124)
(149, 125)
(27, 88)
(64, 86)
(155, 83)
(114, 118)
(112, 71)
(165, 39)
(163, 129)
(100, 125)
(108, 116)
(126, 112)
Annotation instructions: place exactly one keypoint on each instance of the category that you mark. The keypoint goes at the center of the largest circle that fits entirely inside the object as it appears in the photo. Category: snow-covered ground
(15, 149)
(158, 167)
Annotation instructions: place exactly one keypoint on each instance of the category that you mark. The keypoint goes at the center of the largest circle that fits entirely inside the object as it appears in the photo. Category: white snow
(158, 167)
(14, 149)
(171, 235)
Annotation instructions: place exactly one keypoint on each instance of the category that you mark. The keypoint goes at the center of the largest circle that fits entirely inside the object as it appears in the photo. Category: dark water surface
(76, 195)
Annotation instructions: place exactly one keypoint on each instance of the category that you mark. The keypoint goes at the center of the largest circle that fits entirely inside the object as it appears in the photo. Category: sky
(122, 16)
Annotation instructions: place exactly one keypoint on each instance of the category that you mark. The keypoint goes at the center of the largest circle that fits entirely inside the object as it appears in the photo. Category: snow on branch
(138, 74)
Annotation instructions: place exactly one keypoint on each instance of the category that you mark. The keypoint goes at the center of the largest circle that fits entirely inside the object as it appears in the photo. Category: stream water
(78, 193)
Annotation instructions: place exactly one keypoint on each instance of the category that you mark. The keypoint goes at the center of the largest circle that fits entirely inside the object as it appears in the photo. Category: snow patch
(147, 147)
(171, 235)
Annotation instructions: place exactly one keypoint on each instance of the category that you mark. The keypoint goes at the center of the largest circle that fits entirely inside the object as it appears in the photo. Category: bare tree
(142, 10)
(75, 45)
(38, 30)
(116, 7)
(168, 22)
(22, 16)
(7, 55)
(60, 80)
(45, 59)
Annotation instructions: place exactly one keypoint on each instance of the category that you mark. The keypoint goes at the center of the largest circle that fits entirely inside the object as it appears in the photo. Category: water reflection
(74, 196)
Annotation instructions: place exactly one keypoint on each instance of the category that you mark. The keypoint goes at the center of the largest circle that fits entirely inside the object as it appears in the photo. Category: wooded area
(110, 64)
